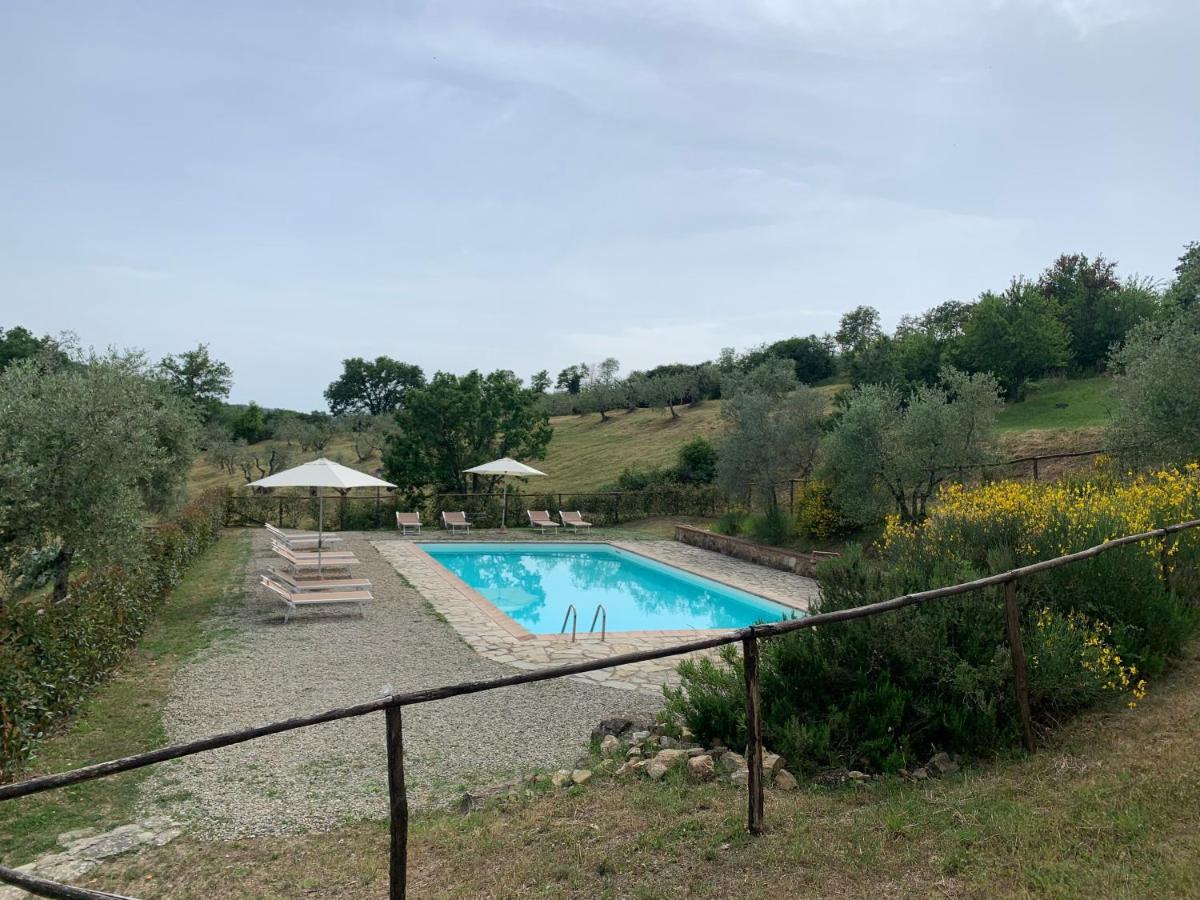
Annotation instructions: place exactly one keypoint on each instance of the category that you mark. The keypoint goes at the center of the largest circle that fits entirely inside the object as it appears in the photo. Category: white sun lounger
(456, 521)
(301, 540)
(310, 559)
(540, 519)
(294, 600)
(408, 523)
(574, 520)
(314, 583)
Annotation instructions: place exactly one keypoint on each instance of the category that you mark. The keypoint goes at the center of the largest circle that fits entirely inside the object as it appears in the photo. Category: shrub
(51, 654)
(771, 527)
(816, 514)
(884, 691)
(730, 522)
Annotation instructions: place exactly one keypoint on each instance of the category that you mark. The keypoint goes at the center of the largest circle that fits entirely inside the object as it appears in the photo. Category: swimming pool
(534, 584)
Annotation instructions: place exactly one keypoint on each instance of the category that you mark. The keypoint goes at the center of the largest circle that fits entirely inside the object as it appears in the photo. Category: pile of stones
(644, 749)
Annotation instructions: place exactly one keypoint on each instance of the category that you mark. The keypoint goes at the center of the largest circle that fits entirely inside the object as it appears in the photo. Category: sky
(525, 185)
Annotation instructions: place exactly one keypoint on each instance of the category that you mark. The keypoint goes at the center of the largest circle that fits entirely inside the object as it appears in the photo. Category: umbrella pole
(504, 508)
(320, 529)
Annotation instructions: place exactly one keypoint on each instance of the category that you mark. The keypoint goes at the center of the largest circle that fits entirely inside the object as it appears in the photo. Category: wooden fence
(379, 510)
(392, 707)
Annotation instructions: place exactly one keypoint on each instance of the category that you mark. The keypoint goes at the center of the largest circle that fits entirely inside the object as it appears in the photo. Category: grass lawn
(123, 715)
(1059, 403)
(1110, 808)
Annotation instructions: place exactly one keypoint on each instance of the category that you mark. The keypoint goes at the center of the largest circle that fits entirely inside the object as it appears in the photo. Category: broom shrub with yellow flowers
(883, 692)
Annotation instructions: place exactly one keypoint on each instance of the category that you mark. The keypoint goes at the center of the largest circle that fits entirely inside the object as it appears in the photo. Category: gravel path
(259, 670)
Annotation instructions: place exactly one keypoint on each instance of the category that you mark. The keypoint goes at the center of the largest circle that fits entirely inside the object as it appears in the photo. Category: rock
(560, 778)
(920, 774)
(663, 762)
(69, 837)
(638, 736)
(831, 777)
(856, 775)
(614, 727)
(733, 761)
(667, 741)
(633, 752)
(701, 768)
(741, 777)
(696, 751)
(610, 745)
(785, 780)
(772, 763)
(717, 750)
(581, 776)
(941, 764)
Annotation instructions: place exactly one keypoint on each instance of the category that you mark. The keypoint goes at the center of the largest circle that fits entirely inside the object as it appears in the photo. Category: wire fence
(393, 705)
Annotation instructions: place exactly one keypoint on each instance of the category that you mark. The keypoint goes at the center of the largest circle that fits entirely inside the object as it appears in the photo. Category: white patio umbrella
(503, 467)
(320, 473)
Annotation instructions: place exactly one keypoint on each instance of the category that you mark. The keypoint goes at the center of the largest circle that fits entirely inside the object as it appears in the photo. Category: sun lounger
(574, 520)
(456, 521)
(301, 540)
(408, 523)
(294, 600)
(301, 582)
(310, 559)
(540, 519)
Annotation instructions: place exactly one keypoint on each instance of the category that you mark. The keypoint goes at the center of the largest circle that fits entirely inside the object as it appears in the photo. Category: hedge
(53, 654)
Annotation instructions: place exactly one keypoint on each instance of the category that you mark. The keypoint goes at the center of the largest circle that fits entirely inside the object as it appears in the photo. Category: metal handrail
(600, 611)
(573, 616)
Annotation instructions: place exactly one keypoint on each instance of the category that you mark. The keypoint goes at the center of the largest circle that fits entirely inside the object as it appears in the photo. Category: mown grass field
(1060, 403)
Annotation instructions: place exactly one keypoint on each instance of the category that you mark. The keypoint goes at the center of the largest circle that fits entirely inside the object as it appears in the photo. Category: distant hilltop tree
(375, 387)
(198, 378)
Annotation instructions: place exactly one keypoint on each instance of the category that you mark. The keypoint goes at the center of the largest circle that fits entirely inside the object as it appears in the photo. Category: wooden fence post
(1164, 560)
(754, 743)
(1012, 622)
(1035, 469)
(398, 805)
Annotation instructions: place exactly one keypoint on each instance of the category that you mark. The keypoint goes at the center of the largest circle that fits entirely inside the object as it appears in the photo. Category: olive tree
(88, 451)
(891, 447)
(773, 433)
(1157, 388)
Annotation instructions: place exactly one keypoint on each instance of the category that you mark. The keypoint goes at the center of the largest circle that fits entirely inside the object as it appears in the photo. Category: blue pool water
(535, 583)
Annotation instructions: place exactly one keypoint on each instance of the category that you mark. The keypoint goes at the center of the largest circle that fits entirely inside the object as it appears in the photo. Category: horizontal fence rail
(393, 703)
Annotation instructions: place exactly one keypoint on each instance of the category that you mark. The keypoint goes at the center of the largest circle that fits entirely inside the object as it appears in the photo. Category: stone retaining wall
(739, 548)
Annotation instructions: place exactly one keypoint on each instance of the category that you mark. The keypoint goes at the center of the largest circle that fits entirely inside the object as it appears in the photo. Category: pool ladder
(572, 617)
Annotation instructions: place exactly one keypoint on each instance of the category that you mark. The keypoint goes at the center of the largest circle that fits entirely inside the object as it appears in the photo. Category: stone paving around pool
(491, 634)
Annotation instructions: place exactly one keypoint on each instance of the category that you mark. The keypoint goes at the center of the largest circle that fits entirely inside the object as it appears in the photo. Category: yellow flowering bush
(1138, 590)
(1040, 520)
(1073, 664)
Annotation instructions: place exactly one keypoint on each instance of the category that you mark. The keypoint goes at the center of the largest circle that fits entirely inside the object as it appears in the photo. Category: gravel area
(259, 670)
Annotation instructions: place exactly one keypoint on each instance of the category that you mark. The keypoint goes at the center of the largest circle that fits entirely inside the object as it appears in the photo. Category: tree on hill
(571, 378)
(1185, 289)
(539, 383)
(604, 391)
(1157, 387)
(812, 356)
(1096, 308)
(774, 431)
(375, 387)
(198, 378)
(102, 444)
(891, 447)
(249, 424)
(19, 343)
(1016, 336)
(459, 421)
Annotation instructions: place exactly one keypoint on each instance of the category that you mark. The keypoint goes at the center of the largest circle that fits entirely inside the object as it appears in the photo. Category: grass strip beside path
(123, 716)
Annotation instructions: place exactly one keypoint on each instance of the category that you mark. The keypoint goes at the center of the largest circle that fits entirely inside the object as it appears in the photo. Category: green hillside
(587, 453)
(1060, 403)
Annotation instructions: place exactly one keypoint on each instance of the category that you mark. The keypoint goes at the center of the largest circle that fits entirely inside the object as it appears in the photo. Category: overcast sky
(525, 185)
